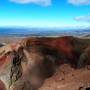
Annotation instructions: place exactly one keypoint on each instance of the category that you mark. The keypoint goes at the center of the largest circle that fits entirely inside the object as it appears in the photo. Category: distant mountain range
(20, 32)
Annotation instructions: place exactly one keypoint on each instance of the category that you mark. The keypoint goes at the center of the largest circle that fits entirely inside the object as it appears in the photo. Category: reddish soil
(2, 87)
(67, 78)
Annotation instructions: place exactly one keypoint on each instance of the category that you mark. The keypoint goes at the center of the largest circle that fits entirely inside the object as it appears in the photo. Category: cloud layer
(49, 2)
(79, 2)
(83, 18)
(39, 2)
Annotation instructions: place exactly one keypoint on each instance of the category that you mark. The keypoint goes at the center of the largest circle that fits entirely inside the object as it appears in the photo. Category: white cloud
(83, 18)
(79, 2)
(39, 2)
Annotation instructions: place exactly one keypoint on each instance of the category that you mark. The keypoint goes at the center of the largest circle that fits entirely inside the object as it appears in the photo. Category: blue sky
(45, 13)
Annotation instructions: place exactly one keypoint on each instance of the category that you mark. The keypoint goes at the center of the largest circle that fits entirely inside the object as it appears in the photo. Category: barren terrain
(65, 78)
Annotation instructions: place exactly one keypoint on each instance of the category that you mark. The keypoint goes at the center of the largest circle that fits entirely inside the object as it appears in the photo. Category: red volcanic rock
(2, 86)
(2, 60)
(62, 44)
(5, 50)
(70, 47)
(67, 78)
(46, 51)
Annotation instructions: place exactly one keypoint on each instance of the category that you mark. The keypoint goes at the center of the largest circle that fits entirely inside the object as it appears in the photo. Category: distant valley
(24, 32)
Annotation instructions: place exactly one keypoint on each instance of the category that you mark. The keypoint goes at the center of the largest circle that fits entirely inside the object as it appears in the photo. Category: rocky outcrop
(84, 58)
